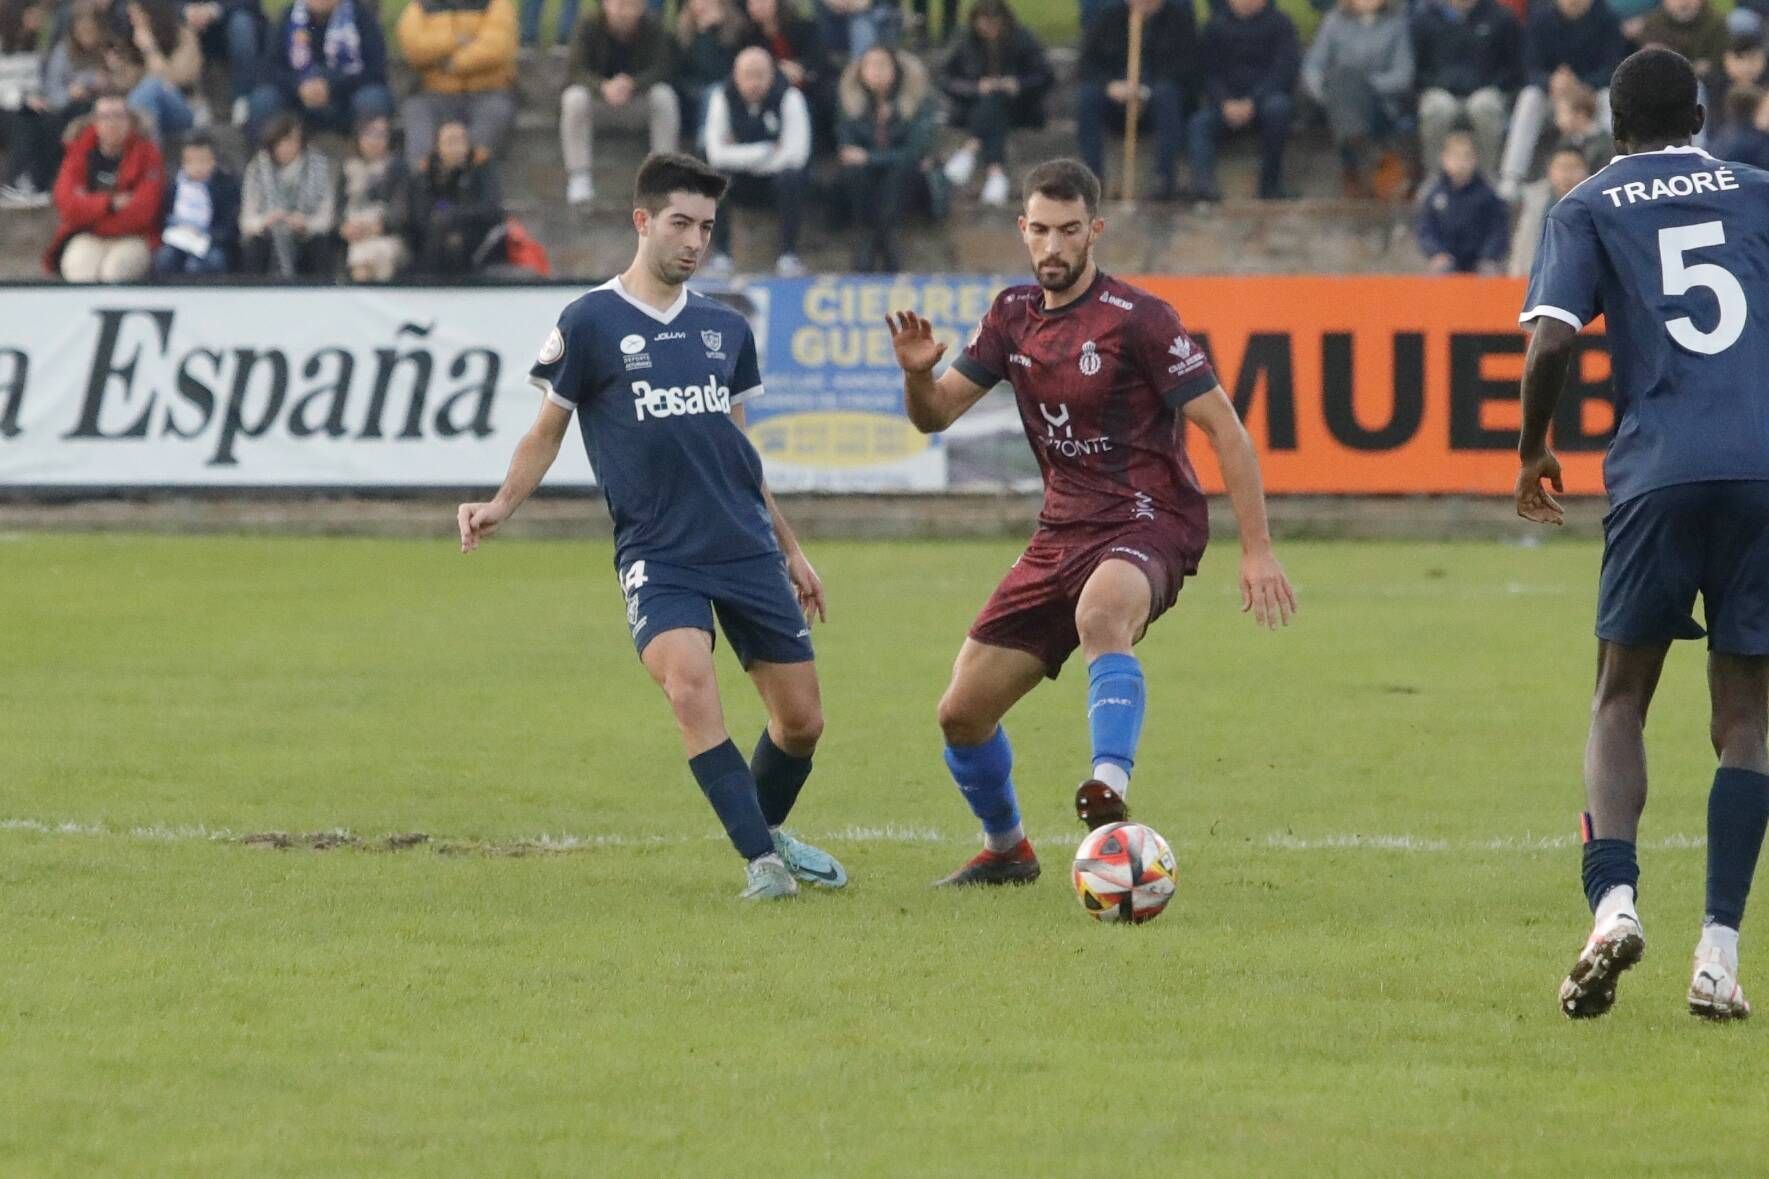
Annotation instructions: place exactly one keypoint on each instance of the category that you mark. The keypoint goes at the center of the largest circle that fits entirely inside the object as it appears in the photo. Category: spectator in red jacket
(108, 194)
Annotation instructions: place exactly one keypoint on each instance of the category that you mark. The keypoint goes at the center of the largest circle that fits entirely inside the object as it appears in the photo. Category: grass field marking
(555, 843)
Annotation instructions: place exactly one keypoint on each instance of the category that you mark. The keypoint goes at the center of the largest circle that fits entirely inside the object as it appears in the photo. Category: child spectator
(201, 216)
(1464, 227)
(1566, 169)
(287, 211)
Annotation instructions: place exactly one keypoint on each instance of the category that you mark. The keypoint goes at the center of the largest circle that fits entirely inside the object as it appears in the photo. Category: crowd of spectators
(127, 115)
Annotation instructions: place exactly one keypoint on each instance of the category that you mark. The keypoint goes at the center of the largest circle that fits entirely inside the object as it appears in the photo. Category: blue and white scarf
(342, 50)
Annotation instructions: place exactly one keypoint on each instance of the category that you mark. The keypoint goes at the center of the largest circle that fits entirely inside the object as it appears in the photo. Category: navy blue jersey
(653, 391)
(1672, 247)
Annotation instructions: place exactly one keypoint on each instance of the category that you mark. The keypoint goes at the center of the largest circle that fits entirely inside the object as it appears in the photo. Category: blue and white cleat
(812, 865)
(768, 880)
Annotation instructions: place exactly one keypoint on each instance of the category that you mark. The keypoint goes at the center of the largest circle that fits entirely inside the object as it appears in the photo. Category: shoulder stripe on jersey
(752, 391)
(546, 386)
(1552, 312)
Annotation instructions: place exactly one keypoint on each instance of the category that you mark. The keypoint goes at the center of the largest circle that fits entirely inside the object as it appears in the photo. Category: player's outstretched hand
(808, 586)
(478, 522)
(1533, 501)
(1265, 590)
(913, 338)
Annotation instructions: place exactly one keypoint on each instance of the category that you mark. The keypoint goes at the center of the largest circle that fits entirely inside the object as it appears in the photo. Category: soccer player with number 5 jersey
(1103, 373)
(1672, 247)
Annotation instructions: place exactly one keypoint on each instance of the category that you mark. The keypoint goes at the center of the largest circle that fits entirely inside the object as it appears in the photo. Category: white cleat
(1714, 992)
(1617, 942)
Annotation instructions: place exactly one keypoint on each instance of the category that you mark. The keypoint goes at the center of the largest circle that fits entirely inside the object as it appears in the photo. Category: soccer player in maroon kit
(1102, 372)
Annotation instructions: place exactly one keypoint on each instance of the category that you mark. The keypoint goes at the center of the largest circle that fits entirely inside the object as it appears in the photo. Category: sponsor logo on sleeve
(1190, 356)
(553, 349)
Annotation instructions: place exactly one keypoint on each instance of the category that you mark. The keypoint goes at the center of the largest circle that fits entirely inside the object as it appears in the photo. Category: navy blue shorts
(1663, 547)
(756, 606)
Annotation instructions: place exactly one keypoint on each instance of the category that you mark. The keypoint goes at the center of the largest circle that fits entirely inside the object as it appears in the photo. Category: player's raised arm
(528, 466)
(1544, 379)
(1264, 588)
(932, 404)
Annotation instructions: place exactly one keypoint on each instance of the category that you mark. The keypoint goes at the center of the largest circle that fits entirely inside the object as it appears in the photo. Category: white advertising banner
(345, 387)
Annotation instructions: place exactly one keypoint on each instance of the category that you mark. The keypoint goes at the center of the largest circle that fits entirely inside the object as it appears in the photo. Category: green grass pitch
(1372, 813)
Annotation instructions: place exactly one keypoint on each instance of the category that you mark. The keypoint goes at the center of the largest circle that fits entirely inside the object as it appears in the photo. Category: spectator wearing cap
(107, 199)
(1468, 61)
(1567, 44)
(758, 132)
(465, 55)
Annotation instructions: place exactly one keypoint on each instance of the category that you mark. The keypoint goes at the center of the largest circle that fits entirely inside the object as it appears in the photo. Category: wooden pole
(1132, 104)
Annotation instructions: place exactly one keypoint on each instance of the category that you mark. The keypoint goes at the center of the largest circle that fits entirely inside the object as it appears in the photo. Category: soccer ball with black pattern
(1124, 872)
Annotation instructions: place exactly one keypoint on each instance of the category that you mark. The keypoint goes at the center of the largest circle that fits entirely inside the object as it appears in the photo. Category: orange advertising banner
(1366, 385)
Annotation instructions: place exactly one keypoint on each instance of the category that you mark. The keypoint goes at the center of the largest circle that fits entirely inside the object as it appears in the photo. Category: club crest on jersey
(680, 400)
(712, 340)
(1090, 361)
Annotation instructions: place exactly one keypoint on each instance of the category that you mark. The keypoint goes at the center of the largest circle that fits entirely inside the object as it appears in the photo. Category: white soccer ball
(1124, 872)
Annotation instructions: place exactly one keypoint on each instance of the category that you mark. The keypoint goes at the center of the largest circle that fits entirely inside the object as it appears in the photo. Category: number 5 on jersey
(1677, 240)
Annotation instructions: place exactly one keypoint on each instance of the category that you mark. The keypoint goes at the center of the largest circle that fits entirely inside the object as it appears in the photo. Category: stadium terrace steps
(1318, 233)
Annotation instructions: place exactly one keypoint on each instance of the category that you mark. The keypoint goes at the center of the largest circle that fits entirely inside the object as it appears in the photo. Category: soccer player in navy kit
(1103, 373)
(1672, 246)
(658, 376)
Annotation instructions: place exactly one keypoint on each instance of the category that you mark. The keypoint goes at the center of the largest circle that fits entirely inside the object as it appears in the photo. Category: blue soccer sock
(1115, 700)
(725, 779)
(1738, 812)
(779, 778)
(984, 776)
(1606, 864)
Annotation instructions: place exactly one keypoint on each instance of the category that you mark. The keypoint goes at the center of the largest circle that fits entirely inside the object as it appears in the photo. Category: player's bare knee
(1103, 628)
(1739, 738)
(800, 730)
(961, 725)
(692, 693)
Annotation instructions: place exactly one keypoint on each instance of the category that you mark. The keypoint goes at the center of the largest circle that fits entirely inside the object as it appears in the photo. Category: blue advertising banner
(832, 418)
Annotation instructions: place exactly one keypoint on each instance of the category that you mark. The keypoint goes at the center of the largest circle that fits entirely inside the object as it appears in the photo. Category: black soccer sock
(729, 786)
(1608, 863)
(1738, 811)
(779, 778)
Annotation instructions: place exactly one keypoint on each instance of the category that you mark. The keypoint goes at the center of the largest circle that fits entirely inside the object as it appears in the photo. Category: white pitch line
(887, 834)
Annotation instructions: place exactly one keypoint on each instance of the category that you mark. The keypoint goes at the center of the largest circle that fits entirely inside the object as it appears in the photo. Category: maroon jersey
(1099, 382)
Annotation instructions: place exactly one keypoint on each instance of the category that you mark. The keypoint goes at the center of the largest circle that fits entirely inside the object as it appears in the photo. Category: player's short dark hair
(1653, 97)
(1064, 180)
(669, 172)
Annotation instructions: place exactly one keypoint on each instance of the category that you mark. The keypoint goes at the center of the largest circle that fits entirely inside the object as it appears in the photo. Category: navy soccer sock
(779, 778)
(1738, 811)
(1115, 699)
(984, 776)
(1608, 863)
(729, 786)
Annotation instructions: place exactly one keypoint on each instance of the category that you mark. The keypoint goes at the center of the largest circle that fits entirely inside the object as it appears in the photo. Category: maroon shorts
(1033, 609)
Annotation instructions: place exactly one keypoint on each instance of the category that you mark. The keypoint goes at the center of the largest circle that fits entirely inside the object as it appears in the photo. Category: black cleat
(1097, 804)
(1019, 866)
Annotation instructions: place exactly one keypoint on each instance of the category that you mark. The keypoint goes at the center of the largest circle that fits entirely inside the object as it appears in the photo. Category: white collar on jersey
(1685, 149)
(614, 284)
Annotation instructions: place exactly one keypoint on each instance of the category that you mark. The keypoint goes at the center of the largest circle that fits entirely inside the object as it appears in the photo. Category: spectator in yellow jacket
(465, 54)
